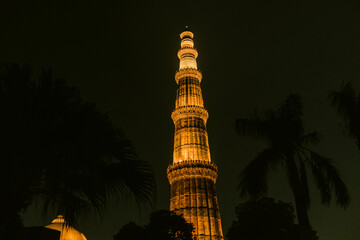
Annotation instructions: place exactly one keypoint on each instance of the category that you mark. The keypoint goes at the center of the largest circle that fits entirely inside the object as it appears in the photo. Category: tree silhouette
(163, 225)
(263, 218)
(347, 103)
(288, 146)
(130, 231)
(60, 149)
(166, 225)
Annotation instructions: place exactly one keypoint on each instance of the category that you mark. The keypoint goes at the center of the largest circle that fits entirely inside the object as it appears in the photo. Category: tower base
(193, 195)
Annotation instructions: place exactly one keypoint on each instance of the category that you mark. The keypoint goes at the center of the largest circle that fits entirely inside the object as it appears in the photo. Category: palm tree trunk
(301, 210)
(305, 229)
(297, 190)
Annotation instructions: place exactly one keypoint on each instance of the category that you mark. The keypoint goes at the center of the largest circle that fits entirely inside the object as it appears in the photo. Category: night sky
(122, 55)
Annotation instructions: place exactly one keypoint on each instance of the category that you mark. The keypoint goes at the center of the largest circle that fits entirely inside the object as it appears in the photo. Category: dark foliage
(289, 147)
(60, 149)
(347, 104)
(264, 219)
(163, 225)
(130, 231)
(166, 225)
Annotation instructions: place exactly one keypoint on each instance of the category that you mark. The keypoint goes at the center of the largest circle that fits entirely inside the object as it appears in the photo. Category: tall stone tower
(192, 175)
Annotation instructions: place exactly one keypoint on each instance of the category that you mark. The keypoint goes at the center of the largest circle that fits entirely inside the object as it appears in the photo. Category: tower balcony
(188, 72)
(190, 111)
(193, 168)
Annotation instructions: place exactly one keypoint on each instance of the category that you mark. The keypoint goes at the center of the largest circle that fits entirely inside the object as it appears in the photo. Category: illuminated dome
(67, 233)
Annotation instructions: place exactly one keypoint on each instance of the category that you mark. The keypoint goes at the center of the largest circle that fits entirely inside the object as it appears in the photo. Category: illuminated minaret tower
(192, 175)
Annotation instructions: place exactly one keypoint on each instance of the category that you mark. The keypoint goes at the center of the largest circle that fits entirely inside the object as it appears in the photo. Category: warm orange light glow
(193, 73)
(187, 53)
(192, 175)
(188, 62)
(187, 42)
(67, 232)
(186, 34)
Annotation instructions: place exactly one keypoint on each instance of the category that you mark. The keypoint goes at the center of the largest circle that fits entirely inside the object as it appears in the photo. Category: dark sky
(122, 55)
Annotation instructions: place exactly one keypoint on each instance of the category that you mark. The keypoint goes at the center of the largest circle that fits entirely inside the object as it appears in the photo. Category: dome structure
(67, 232)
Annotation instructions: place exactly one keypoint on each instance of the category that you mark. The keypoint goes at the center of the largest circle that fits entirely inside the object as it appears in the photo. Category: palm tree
(347, 103)
(288, 146)
(60, 149)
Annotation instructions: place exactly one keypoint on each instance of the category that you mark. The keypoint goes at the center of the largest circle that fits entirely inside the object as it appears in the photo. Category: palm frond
(73, 154)
(282, 129)
(129, 177)
(256, 127)
(97, 164)
(291, 107)
(328, 179)
(288, 125)
(345, 101)
(253, 179)
(312, 138)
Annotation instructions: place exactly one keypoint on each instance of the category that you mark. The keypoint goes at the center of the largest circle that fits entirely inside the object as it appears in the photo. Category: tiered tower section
(192, 175)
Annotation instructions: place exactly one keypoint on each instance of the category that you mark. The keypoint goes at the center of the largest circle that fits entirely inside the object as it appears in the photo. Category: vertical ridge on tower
(192, 175)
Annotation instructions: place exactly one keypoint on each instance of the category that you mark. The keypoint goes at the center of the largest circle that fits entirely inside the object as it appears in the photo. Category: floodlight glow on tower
(192, 175)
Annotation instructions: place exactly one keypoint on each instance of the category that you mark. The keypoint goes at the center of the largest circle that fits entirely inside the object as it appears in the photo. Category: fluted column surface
(192, 175)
